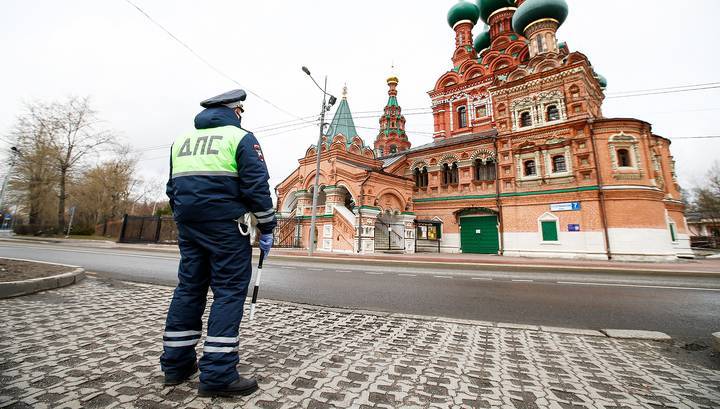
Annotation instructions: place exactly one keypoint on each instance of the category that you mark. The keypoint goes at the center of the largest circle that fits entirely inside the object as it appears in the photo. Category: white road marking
(407, 275)
(289, 268)
(374, 273)
(442, 276)
(522, 281)
(105, 253)
(638, 286)
(344, 271)
(481, 278)
(315, 269)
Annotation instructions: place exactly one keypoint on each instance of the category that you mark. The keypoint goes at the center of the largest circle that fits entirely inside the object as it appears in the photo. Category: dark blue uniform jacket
(216, 197)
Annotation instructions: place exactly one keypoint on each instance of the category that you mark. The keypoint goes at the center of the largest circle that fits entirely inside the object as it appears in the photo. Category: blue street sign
(564, 207)
(573, 227)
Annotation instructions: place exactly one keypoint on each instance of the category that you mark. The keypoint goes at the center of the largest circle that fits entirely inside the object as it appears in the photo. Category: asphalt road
(685, 307)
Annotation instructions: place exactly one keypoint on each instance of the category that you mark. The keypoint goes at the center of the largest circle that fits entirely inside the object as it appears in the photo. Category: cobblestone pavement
(96, 344)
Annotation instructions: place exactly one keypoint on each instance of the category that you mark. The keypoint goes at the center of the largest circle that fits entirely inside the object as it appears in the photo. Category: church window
(462, 117)
(540, 44)
(481, 111)
(484, 171)
(558, 164)
(623, 157)
(575, 91)
(380, 151)
(529, 167)
(421, 177)
(393, 149)
(553, 113)
(525, 119)
(450, 174)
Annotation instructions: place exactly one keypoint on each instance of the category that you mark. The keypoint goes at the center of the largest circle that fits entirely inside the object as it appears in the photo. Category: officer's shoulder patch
(259, 152)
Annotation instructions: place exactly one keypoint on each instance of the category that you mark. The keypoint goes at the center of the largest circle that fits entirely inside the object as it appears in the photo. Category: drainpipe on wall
(362, 200)
(603, 213)
(498, 201)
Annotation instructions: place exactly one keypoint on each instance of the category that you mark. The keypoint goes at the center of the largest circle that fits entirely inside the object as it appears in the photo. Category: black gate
(148, 229)
(287, 233)
(389, 236)
(153, 229)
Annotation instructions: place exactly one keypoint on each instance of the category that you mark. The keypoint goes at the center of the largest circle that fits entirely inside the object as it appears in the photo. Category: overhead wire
(208, 63)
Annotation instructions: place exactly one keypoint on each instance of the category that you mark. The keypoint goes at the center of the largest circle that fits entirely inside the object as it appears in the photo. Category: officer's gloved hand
(266, 242)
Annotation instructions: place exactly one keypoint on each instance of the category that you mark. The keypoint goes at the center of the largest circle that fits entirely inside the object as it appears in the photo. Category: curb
(530, 268)
(605, 333)
(458, 266)
(25, 287)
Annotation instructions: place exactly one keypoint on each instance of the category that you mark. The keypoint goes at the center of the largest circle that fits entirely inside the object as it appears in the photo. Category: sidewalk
(96, 344)
(700, 267)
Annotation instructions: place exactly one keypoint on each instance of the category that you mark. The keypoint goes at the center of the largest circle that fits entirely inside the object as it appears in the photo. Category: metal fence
(148, 229)
(154, 229)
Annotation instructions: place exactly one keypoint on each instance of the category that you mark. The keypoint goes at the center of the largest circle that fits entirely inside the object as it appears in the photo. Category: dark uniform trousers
(215, 255)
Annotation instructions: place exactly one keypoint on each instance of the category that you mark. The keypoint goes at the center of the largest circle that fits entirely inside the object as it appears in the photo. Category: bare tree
(103, 191)
(60, 135)
(706, 201)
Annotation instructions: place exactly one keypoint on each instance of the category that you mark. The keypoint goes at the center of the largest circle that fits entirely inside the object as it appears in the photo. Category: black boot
(182, 377)
(241, 387)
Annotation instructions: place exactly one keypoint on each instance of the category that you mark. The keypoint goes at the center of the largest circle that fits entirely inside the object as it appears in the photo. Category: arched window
(416, 177)
(525, 119)
(485, 171)
(446, 174)
(558, 164)
(529, 168)
(553, 113)
(462, 117)
(575, 91)
(424, 177)
(623, 156)
(393, 149)
(455, 176)
(481, 111)
(380, 151)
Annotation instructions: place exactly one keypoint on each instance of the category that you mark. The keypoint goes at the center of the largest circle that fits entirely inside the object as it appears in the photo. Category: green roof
(392, 102)
(482, 40)
(343, 123)
(534, 10)
(487, 7)
(463, 11)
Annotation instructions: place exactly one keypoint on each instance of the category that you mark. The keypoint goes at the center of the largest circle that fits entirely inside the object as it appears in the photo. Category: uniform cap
(233, 98)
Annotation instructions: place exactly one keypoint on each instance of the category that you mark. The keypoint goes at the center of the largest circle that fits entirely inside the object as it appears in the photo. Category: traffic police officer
(217, 174)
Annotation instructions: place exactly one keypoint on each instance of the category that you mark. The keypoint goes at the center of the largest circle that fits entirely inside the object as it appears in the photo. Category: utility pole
(326, 105)
(15, 152)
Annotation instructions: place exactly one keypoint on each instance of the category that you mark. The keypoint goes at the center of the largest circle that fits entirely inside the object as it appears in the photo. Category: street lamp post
(15, 153)
(326, 105)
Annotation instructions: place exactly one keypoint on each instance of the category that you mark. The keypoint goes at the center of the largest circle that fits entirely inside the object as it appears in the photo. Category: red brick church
(523, 162)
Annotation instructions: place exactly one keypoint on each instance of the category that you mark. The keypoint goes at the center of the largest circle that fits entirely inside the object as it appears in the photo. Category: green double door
(479, 235)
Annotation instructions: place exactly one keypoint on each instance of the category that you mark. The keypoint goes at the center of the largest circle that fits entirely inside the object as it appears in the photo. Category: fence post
(121, 239)
(157, 231)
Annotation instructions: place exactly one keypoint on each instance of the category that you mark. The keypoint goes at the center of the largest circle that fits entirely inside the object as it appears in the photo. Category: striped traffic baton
(257, 286)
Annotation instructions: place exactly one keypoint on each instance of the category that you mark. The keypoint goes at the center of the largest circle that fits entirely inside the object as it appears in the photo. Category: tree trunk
(61, 202)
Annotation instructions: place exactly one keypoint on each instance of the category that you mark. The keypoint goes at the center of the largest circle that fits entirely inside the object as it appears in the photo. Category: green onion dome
(487, 7)
(482, 40)
(534, 10)
(601, 80)
(463, 11)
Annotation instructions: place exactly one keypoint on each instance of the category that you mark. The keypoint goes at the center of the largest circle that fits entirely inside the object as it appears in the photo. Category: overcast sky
(147, 86)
